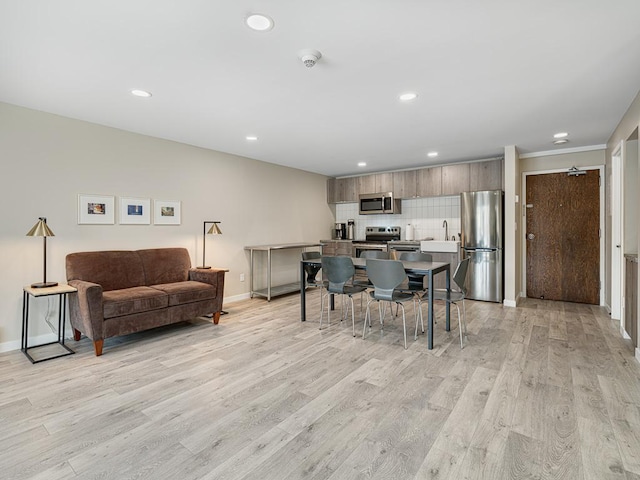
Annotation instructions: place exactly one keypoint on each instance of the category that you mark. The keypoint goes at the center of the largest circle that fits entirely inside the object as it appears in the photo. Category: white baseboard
(638, 354)
(40, 339)
(624, 333)
(510, 303)
(236, 298)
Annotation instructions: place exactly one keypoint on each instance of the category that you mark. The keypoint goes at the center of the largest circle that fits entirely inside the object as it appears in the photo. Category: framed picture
(96, 210)
(135, 211)
(166, 212)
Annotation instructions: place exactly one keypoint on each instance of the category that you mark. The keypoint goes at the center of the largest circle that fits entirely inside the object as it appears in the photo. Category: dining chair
(339, 271)
(455, 296)
(416, 284)
(386, 276)
(361, 278)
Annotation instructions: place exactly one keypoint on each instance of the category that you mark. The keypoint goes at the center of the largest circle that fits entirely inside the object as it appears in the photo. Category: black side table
(61, 291)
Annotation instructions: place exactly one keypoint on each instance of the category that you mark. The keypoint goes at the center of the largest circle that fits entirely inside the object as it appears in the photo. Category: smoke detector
(309, 57)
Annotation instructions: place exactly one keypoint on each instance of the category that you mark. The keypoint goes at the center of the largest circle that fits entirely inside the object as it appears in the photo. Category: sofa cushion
(165, 265)
(128, 301)
(112, 270)
(186, 292)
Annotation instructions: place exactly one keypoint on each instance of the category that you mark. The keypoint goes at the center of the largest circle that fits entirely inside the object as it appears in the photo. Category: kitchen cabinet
(404, 183)
(485, 175)
(375, 183)
(337, 248)
(423, 182)
(342, 190)
(440, 281)
(429, 182)
(631, 297)
(455, 178)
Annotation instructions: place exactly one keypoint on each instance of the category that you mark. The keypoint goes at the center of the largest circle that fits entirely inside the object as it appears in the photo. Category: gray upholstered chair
(339, 271)
(453, 296)
(386, 276)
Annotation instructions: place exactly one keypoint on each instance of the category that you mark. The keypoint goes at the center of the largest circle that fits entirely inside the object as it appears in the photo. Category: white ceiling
(489, 73)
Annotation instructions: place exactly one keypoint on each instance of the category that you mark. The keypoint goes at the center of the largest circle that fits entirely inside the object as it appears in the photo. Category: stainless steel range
(376, 238)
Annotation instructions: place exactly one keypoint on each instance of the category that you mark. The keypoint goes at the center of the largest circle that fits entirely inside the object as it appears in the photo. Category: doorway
(563, 236)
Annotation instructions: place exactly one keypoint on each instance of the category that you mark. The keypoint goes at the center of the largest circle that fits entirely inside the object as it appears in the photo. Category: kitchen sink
(446, 246)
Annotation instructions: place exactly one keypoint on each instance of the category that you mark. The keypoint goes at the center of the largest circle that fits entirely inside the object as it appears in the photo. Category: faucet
(446, 230)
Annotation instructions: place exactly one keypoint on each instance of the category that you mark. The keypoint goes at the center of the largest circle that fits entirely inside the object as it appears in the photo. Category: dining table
(428, 269)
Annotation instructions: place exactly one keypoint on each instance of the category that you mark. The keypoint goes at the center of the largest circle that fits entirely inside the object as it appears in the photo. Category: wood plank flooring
(548, 390)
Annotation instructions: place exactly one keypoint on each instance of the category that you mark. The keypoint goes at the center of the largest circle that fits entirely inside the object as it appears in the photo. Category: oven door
(396, 250)
(359, 248)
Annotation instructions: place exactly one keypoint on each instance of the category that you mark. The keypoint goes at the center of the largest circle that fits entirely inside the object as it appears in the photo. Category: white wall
(512, 226)
(48, 160)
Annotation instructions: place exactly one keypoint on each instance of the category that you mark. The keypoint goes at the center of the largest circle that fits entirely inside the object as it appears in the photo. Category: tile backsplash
(426, 215)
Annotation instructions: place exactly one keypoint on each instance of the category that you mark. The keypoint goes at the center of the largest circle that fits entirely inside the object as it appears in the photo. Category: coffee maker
(340, 231)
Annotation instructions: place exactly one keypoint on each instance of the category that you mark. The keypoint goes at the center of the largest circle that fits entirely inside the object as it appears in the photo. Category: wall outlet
(242, 277)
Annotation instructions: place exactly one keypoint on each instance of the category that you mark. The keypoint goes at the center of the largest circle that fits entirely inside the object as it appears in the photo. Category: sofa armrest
(85, 309)
(212, 276)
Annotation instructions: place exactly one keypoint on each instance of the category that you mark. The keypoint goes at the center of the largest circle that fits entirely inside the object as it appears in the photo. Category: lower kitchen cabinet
(631, 297)
(336, 248)
(440, 280)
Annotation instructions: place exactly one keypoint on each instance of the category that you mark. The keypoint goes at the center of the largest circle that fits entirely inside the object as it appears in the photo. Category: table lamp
(214, 230)
(40, 229)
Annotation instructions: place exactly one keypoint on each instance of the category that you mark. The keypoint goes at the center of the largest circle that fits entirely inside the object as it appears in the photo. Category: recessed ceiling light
(362, 164)
(432, 154)
(140, 93)
(407, 97)
(561, 135)
(259, 22)
(560, 141)
(251, 138)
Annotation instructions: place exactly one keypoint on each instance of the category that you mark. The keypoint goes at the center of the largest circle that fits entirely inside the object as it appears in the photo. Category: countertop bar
(282, 246)
(272, 291)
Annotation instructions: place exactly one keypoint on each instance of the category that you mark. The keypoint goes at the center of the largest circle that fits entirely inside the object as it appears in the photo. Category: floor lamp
(40, 229)
(214, 230)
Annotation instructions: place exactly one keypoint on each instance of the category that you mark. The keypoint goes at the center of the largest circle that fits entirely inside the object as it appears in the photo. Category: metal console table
(273, 291)
(61, 291)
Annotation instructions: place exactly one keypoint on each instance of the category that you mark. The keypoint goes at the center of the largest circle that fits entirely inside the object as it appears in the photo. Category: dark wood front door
(563, 237)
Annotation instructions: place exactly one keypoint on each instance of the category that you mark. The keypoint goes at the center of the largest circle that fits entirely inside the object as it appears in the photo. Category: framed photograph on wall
(166, 212)
(96, 210)
(135, 211)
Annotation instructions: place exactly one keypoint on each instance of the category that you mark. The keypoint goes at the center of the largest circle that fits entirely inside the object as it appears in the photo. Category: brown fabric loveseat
(122, 292)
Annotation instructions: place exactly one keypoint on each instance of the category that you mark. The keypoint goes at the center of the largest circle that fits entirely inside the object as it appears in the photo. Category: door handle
(530, 236)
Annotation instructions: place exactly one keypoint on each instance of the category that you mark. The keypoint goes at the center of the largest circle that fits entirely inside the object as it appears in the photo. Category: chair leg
(464, 317)
(404, 325)
(367, 316)
(459, 324)
(353, 317)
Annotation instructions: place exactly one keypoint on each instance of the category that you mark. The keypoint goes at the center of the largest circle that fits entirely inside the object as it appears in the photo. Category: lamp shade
(215, 229)
(40, 229)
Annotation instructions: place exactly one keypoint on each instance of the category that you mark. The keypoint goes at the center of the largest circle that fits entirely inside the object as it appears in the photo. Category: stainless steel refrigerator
(482, 222)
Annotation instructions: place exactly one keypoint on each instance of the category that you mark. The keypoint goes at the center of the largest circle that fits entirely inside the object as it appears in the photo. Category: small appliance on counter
(351, 227)
(340, 231)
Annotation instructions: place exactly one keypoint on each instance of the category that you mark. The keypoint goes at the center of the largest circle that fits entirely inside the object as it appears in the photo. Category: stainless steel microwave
(378, 203)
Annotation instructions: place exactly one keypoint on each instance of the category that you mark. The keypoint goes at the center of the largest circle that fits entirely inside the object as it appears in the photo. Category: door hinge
(599, 181)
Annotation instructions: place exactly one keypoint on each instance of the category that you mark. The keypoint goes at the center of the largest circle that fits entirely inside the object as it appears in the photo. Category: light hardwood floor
(545, 390)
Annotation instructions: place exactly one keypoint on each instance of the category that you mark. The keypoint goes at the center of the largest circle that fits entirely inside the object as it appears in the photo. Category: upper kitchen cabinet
(342, 190)
(375, 183)
(429, 182)
(455, 178)
(405, 183)
(384, 182)
(485, 175)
